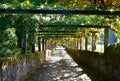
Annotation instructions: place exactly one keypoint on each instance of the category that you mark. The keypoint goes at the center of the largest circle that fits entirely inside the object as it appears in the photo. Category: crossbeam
(75, 26)
(41, 11)
(55, 34)
(71, 31)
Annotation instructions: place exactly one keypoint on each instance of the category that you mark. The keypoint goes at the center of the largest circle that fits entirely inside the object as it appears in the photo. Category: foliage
(23, 23)
(8, 41)
(5, 21)
(113, 49)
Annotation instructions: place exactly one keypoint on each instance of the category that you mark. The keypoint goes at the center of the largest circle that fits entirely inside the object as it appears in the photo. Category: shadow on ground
(61, 67)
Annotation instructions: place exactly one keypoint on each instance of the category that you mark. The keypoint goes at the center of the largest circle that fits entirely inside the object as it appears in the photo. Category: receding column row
(82, 43)
(42, 42)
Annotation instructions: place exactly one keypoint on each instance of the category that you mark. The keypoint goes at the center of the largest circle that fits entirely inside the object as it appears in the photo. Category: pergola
(80, 12)
(106, 31)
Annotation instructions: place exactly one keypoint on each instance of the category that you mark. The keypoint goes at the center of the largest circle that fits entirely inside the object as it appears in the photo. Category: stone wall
(108, 65)
(0, 70)
(19, 67)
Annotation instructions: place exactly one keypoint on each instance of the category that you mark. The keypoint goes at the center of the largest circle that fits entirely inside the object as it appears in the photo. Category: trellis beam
(55, 34)
(71, 31)
(42, 11)
(58, 36)
(74, 26)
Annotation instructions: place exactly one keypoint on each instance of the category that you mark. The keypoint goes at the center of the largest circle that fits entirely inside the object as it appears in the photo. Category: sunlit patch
(62, 68)
(78, 69)
(66, 75)
(84, 77)
(4, 67)
(68, 69)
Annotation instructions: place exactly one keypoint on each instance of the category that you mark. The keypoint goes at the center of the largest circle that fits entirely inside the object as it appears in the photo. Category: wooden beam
(55, 34)
(42, 11)
(75, 26)
(71, 31)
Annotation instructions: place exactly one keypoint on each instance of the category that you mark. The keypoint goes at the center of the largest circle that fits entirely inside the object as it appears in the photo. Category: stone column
(39, 43)
(80, 43)
(86, 43)
(45, 43)
(1, 70)
(23, 44)
(43, 46)
(93, 41)
(106, 37)
(77, 44)
(33, 42)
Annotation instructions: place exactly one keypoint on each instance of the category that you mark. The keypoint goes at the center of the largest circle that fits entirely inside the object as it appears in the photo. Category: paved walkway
(61, 67)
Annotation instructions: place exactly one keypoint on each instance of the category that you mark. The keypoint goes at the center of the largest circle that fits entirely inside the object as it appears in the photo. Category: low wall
(19, 67)
(108, 65)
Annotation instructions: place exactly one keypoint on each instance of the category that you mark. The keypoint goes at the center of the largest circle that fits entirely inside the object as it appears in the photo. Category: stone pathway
(60, 67)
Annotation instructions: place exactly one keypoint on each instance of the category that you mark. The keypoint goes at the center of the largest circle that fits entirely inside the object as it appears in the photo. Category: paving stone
(59, 67)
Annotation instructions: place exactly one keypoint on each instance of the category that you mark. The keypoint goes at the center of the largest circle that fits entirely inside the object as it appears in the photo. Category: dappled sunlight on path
(60, 67)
